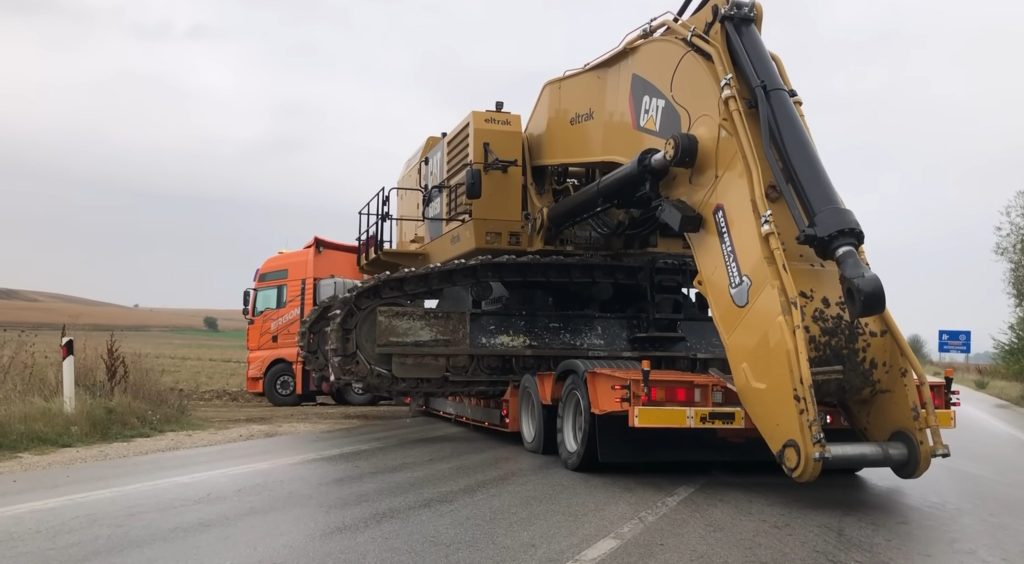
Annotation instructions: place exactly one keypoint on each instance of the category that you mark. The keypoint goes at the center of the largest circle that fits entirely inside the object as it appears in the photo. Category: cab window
(273, 275)
(271, 297)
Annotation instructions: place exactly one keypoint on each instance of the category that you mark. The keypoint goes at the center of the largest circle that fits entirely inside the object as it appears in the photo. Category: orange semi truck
(285, 289)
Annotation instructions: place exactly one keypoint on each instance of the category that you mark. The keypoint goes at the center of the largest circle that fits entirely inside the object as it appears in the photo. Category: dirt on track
(231, 419)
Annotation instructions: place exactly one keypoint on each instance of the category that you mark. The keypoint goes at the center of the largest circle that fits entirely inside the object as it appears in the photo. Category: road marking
(110, 492)
(605, 546)
(995, 421)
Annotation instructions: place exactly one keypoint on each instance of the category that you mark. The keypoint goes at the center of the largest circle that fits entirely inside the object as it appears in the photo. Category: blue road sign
(954, 341)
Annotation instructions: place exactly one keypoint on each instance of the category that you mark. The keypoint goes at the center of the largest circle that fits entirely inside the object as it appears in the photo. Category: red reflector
(504, 412)
(671, 394)
(954, 404)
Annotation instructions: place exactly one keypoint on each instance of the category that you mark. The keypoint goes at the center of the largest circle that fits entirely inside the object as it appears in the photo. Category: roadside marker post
(67, 354)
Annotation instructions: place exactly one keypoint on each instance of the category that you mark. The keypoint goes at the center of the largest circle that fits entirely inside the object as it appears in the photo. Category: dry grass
(986, 378)
(26, 308)
(191, 360)
(31, 408)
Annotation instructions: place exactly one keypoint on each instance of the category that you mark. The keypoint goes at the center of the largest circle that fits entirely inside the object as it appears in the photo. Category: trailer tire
(353, 397)
(575, 430)
(280, 386)
(536, 421)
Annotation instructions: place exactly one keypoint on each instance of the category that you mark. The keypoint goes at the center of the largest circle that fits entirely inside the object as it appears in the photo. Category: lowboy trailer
(622, 411)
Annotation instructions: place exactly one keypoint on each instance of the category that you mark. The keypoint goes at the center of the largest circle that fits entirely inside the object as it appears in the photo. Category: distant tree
(136, 306)
(1009, 247)
(1009, 348)
(983, 357)
(210, 322)
(920, 348)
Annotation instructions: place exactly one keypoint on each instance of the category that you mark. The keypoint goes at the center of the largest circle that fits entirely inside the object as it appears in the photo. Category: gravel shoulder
(225, 422)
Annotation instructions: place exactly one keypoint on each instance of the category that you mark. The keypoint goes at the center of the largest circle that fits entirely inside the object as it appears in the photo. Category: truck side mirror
(246, 295)
(474, 184)
(245, 311)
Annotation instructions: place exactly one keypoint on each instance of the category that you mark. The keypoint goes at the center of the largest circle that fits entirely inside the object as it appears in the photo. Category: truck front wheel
(280, 386)
(575, 428)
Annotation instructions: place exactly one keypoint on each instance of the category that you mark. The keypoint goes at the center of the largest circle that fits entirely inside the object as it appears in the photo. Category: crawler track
(606, 307)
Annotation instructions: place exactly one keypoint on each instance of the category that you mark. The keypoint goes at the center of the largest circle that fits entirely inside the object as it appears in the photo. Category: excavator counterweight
(664, 203)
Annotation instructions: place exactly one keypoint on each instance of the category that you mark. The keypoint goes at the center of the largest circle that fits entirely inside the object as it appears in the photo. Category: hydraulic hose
(825, 224)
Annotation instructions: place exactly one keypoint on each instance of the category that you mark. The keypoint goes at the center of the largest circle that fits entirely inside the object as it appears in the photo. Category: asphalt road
(425, 490)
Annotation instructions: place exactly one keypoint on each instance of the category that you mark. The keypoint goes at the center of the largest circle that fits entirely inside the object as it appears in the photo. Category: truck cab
(285, 289)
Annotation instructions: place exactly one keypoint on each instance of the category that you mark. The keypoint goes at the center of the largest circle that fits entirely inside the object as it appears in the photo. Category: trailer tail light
(938, 395)
(943, 396)
(668, 394)
(504, 411)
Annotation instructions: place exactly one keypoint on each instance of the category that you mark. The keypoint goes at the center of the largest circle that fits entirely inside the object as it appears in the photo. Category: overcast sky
(156, 152)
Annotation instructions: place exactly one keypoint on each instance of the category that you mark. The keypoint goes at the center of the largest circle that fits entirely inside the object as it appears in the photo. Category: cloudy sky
(156, 152)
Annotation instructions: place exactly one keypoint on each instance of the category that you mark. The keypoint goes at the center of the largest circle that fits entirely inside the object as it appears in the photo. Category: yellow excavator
(663, 208)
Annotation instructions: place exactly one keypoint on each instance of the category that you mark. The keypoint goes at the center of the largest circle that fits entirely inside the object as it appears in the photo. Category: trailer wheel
(280, 386)
(536, 421)
(353, 397)
(337, 396)
(575, 429)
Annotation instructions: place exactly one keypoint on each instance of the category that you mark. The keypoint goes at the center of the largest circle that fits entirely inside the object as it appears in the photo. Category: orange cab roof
(328, 244)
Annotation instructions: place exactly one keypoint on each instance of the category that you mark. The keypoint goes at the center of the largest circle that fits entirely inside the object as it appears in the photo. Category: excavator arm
(703, 121)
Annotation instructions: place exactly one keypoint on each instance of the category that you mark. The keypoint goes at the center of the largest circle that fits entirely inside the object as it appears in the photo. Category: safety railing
(377, 223)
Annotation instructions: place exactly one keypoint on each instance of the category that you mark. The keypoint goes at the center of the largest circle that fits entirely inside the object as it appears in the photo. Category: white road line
(976, 411)
(605, 546)
(110, 492)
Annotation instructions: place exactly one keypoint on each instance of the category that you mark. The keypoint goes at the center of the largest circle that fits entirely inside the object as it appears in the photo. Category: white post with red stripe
(67, 353)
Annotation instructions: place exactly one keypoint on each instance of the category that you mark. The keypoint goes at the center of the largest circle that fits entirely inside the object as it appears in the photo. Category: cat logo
(432, 212)
(651, 111)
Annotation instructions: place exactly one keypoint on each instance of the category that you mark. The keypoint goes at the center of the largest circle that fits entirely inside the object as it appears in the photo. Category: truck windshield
(271, 297)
